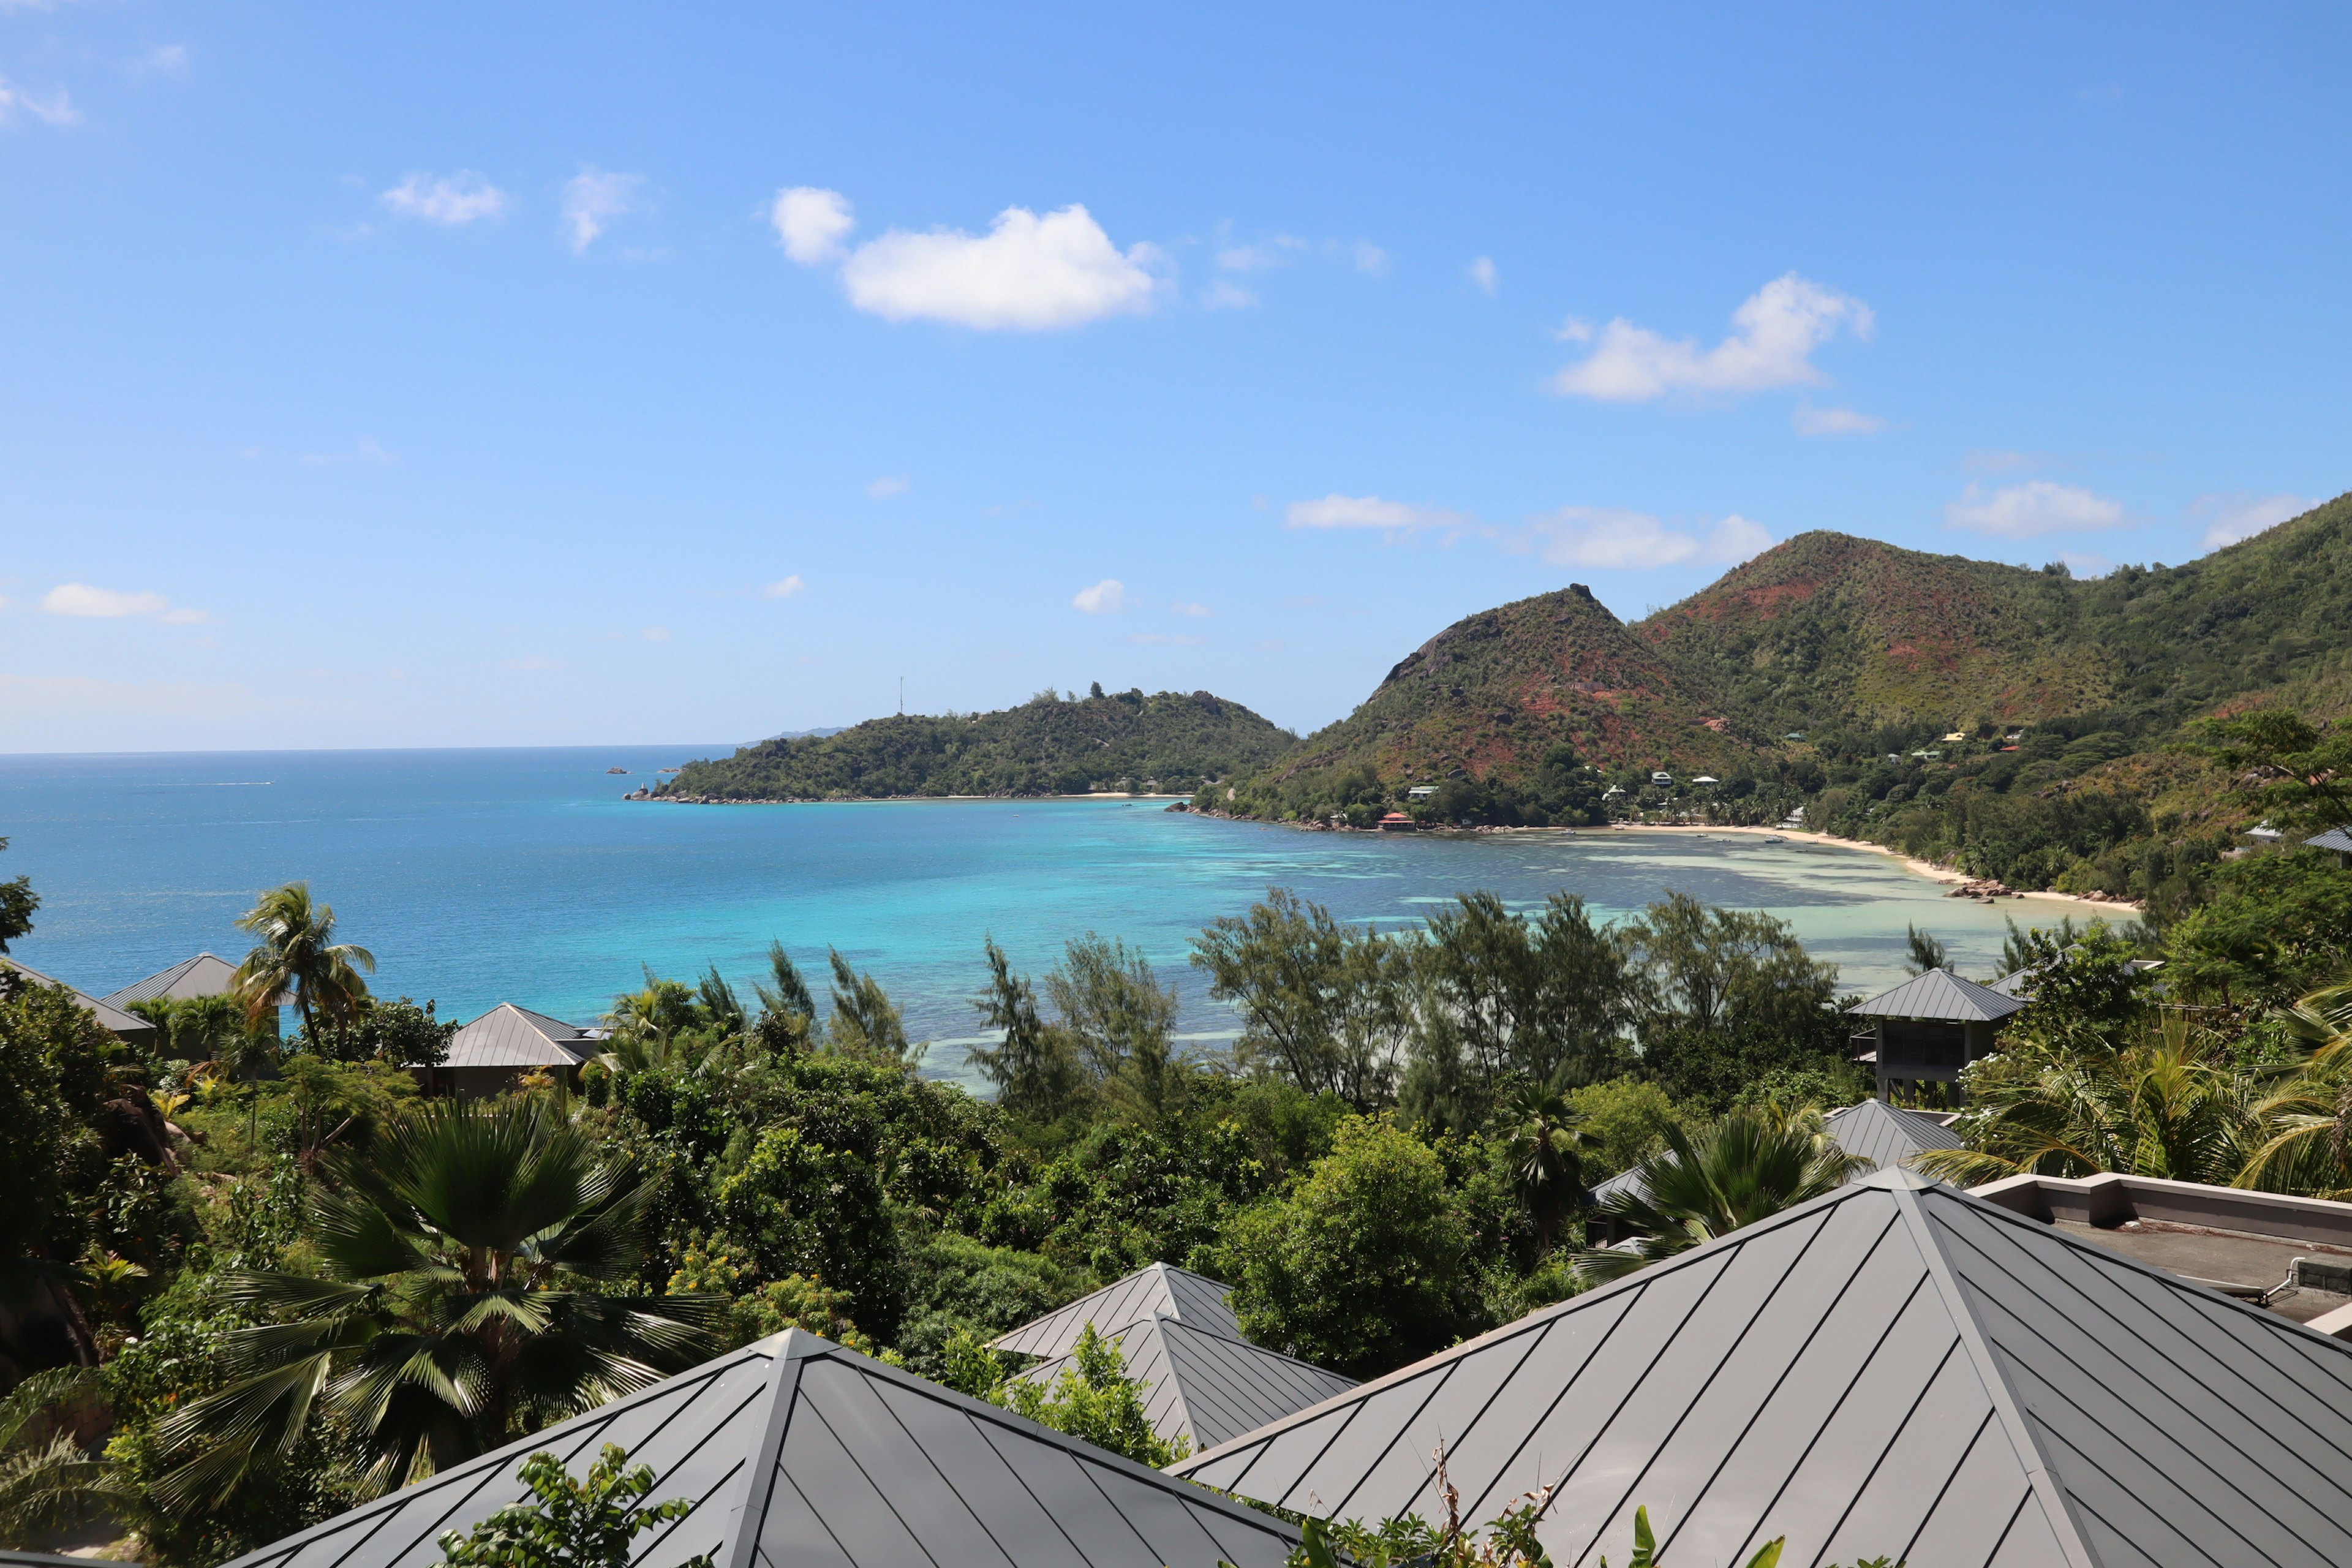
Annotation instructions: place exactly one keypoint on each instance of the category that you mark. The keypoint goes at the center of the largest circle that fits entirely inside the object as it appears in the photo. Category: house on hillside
(1897, 1370)
(1397, 822)
(1209, 1383)
(2336, 838)
(129, 1027)
(191, 979)
(1929, 1028)
(494, 1053)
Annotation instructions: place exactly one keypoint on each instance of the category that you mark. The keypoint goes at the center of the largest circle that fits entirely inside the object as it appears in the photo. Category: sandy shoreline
(1926, 868)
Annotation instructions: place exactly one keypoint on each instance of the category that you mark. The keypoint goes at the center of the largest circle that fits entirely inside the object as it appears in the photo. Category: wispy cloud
(1027, 273)
(1611, 537)
(2030, 510)
(1777, 330)
(534, 661)
(367, 450)
(1264, 254)
(886, 486)
(1481, 273)
(2230, 518)
(80, 599)
(1226, 295)
(593, 198)
(1337, 511)
(784, 588)
(1811, 421)
(450, 200)
(51, 108)
(1165, 639)
(656, 634)
(1183, 608)
(1104, 598)
(163, 59)
(1992, 460)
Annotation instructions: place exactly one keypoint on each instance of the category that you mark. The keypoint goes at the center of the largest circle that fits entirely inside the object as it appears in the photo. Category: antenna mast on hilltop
(902, 697)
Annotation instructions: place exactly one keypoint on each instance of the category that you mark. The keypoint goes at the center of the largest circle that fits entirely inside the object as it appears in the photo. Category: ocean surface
(480, 877)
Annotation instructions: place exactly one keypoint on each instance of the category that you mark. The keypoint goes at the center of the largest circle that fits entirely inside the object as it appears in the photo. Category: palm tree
(297, 955)
(1549, 1137)
(468, 1293)
(1748, 1167)
(47, 1478)
(2309, 1116)
(2171, 1105)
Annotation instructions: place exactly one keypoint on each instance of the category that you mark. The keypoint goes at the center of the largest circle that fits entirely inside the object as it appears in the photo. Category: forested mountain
(1826, 673)
(1048, 745)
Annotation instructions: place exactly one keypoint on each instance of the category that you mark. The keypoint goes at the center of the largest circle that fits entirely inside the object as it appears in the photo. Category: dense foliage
(1048, 745)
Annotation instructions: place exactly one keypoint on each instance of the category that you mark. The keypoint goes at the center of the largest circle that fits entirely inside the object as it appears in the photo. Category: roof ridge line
(1249, 1344)
(738, 1539)
(2041, 1478)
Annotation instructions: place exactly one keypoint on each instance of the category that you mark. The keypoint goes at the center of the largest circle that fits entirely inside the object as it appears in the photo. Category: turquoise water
(478, 876)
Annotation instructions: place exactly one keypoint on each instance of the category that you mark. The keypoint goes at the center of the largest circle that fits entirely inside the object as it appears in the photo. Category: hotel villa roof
(203, 976)
(2336, 838)
(1895, 1368)
(1888, 1134)
(1160, 1290)
(511, 1036)
(1941, 995)
(1207, 1388)
(801, 1454)
(128, 1025)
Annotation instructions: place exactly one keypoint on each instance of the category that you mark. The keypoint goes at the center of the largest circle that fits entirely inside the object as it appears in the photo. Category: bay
(486, 875)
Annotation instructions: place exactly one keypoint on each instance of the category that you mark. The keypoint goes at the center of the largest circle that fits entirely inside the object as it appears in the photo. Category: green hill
(1046, 746)
(1813, 675)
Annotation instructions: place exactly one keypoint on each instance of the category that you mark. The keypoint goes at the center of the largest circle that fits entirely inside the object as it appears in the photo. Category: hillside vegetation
(1825, 674)
(1048, 745)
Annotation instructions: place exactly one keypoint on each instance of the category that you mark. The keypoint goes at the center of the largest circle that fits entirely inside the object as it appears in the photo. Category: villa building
(498, 1050)
(1929, 1028)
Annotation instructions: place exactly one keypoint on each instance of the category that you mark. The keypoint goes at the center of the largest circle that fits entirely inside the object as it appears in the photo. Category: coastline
(1927, 868)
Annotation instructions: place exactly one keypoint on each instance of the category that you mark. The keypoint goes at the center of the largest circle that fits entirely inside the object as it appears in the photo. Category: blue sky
(546, 374)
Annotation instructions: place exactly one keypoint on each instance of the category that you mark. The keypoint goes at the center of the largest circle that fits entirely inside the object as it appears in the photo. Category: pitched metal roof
(1208, 1388)
(801, 1454)
(1628, 1181)
(2336, 838)
(1942, 995)
(205, 974)
(1888, 1134)
(1160, 1288)
(128, 1025)
(1894, 1368)
(511, 1036)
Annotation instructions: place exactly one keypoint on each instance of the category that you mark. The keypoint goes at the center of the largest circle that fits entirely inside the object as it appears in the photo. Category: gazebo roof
(1942, 997)
(801, 1454)
(1159, 1289)
(511, 1036)
(1895, 1368)
(1208, 1388)
(2336, 838)
(1888, 1134)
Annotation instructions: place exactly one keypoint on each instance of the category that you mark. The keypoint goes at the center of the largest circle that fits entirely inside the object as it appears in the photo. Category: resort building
(2336, 838)
(1897, 1369)
(498, 1050)
(129, 1027)
(1174, 1330)
(800, 1454)
(1929, 1028)
(206, 975)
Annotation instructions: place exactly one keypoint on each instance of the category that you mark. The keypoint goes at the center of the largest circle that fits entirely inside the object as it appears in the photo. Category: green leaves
(1095, 1399)
(572, 1523)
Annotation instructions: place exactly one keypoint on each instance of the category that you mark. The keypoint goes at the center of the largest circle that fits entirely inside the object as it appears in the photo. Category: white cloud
(656, 634)
(1369, 257)
(2034, 507)
(1106, 598)
(1225, 296)
(812, 223)
(1779, 327)
(164, 59)
(1336, 510)
(1182, 608)
(886, 486)
(107, 604)
(1574, 329)
(1262, 255)
(1481, 273)
(463, 198)
(2231, 517)
(54, 109)
(1610, 537)
(1165, 640)
(1026, 273)
(2087, 562)
(367, 450)
(593, 198)
(784, 588)
(1811, 421)
(1984, 460)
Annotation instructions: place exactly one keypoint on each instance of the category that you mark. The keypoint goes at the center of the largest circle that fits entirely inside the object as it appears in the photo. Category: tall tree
(865, 1022)
(471, 1288)
(1321, 1005)
(1035, 1066)
(297, 955)
(1548, 1140)
(1122, 1019)
(17, 902)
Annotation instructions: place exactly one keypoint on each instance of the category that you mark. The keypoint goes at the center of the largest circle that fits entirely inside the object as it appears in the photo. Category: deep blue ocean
(478, 876)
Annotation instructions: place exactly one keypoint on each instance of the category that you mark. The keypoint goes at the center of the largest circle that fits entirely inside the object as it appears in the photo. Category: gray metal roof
(127, 1026)
(2336, 838)
(1208, 1388)
(1942, 995)
(206, 975)
(1623, 1181)
(511, 1036)
(1160, 1288)
(1894, 1368)
(803, 1455)
(1888, 1134)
